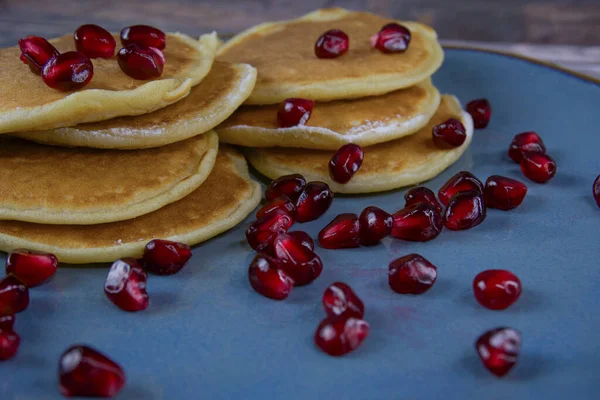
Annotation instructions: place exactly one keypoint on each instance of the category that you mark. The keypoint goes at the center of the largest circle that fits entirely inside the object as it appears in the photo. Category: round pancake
(223, 201)
(210, 102)
(61, 185)
(283, 53)
(27, 104)
(365, 121)
(401, 162)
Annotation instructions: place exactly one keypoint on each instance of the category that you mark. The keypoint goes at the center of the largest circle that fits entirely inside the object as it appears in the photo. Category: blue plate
(208, 335)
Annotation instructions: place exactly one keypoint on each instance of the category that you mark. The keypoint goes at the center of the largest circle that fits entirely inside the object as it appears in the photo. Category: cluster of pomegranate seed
(294, 112)
(345, 162)
(529, 151)
(349, 230)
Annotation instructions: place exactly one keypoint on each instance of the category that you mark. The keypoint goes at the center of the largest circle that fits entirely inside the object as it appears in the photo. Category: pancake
(365, 121)
(60, 185)
(223, 201)
(401, 162)
(210, 102)
(27, 104)
(283, 53)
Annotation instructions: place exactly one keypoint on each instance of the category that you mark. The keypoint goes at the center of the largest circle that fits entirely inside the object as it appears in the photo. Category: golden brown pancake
(60, 185)
(223, 201)
(283, 53)
(401, 162)
(210, 102)
(365, 121)
(27, 104)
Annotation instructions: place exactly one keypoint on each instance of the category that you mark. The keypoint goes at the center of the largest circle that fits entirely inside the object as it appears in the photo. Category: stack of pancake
(383, 102)
(93, 175)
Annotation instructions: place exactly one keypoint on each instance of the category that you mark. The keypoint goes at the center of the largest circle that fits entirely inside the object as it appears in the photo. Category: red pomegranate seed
(36, 52)
(125, 285)
(526, 141)
(94, 41)
(499, 350)
(14, 295)
(460, 182)
(421, 194)
(538, 167)
(496, 289)
(141, 63)
(304, 239)
(596, 190)
(392, 38)
(261, 233)
(332, 44)
(345, 162)
(68, 71)
(342, 232)
(503, 193)
(411, 274)
(7, 322)
(481, 111)
(448, 134)
(267, 277)
(300, 263)
(9, 344)
(465, 211)
(417, 223)
(164, 257)
(340, 335)
(85, 372)
(282, 203)
(31, 267)
(315, 199)
(294, 112)
(287, 185)
(340, 300)
(375, 224)
(143, 36)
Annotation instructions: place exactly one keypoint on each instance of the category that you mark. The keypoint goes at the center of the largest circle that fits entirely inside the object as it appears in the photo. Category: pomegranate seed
(538, 167)
(503, 193)
(36, 52)
(31, 267)
(345, 162)
(68, 71)
(465, 211)
(304, 239)
(300, 263)
(340, 300)
(375, 224)
(448, 134)
(340, 335)
(94, 41)
(315, 199)
(262, 232)
(499, 350)
(342, 232)
(294, 112)
(282, 203)
(287, 185)
(421, 194)
(460, 182)
(481, 111)
(411, 274)
(526, 141)
(7, 322)
(332, 44)
(596, 190)
(143, 36)
(164, 257)
(14, 295)
(267, 277)
(496, 289)
(9, 344)
(125, 285)
(141, 63)
(417, 223)
(392, 38)
(85, 372)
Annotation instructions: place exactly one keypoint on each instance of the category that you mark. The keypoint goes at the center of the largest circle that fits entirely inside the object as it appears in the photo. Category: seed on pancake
(341, 335)
(421, 194)
(411, 274)
(538, 167)
(499, 350)
(84, 371)
(94, 41)
(448, 134)
(340, 300)
(68, 71)
(481, 111)
(300, 263)
(315, 199)
(294, 112)
(596, 190)
(345, 162)
(7, 322)
(465, 211)
(417, 223)
(286, 185)
(460, 182)
(125, 285)
(261, 233)
(14, 295)
(526, 141)
(31, 267)
(9, 344)
(282, 203)
(496, 289)
(143, 36)
(141, 63)
(392, 38)
(503, 193)
(164, 257)
(375, 224)
(342, 232)
(332, 44)
(267, 277)
(36, 52)
(304, 239)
